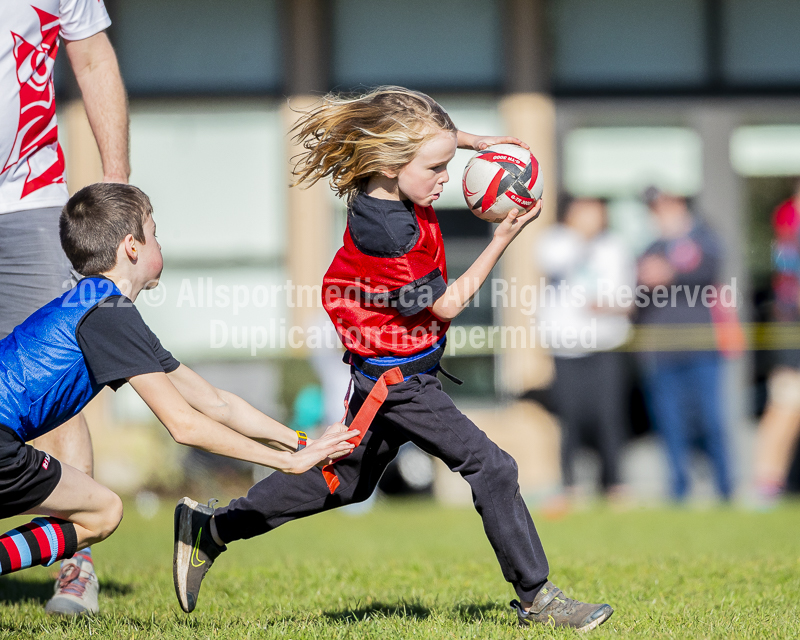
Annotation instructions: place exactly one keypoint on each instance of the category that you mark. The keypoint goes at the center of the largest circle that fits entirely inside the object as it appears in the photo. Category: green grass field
(416, 570)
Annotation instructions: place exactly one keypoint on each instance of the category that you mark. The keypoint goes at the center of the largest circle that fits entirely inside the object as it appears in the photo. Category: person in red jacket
(779, 429)
(387, 294)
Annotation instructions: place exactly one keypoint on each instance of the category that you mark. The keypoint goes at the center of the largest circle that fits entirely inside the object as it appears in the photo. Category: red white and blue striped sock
(84, 554)
(42, 541)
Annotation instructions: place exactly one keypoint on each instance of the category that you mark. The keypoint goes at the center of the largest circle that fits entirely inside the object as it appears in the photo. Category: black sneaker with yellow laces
(552, 607)
(195, 550)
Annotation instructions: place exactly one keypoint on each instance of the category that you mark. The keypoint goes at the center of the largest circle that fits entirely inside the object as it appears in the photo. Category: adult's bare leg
(71, 443)
(775, 444)
(778, 432)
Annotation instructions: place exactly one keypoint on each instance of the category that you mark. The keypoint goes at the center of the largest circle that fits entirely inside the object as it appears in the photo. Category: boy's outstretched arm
(229, 409)
(460, 292)
(191, 427)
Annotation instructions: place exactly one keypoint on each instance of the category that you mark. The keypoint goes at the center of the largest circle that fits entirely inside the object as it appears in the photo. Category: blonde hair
(352, 139)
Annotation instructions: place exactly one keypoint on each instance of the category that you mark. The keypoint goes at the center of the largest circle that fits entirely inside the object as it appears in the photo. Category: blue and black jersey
(58, 359)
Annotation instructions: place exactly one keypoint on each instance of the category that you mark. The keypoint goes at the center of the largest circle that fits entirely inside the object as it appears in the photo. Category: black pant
(416, 410)
(590, 398)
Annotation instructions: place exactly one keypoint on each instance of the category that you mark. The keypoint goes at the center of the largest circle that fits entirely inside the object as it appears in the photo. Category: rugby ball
(501, 178)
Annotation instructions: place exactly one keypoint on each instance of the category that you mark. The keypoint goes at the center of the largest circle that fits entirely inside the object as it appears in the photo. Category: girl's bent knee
(504, 474)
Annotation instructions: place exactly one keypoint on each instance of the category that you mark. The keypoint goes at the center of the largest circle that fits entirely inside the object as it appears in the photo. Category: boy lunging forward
(92, 336)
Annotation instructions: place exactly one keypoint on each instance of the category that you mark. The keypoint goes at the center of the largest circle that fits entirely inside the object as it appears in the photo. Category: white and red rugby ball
(501, 178)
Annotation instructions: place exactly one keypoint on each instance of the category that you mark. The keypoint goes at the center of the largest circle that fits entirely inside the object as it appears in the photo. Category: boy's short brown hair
(96, 219)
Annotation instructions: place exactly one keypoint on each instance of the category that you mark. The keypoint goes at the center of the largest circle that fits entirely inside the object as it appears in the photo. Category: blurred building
(697, 96)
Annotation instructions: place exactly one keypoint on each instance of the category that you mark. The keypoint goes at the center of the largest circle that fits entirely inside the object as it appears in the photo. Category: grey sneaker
(195, 550)
(552, 607)
(76, 589)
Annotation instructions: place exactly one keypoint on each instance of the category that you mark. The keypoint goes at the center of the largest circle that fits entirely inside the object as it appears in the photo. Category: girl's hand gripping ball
(501, 178)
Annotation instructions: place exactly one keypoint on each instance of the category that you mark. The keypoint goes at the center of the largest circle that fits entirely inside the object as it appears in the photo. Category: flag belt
(364, 417)
(426, 361)
(386, 371)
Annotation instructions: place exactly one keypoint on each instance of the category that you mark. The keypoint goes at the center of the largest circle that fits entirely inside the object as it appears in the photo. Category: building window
(198, 46)
(216, 174)
(628, 43)
(448, 44)
(623, 161)
(761, 45)
(766, 150)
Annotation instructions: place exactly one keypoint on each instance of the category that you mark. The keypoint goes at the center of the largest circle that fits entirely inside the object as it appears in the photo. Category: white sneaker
(76, 589)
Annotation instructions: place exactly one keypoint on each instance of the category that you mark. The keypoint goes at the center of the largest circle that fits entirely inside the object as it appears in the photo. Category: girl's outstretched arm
(479, 143)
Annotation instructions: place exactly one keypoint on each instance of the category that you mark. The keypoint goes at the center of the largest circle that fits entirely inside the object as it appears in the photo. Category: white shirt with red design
(31, 160)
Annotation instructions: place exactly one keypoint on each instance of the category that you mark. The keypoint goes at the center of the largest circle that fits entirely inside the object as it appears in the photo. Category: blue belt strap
(389, 362)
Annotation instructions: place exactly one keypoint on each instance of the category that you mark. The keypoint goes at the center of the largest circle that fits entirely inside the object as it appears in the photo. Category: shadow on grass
(114, 588)
(380, 610)
(412, 611)
(15, 590)
(479, 612)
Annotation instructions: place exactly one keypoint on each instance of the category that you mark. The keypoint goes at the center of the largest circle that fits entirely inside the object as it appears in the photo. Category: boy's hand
(335, 428)
(333, 444)
(516, 221)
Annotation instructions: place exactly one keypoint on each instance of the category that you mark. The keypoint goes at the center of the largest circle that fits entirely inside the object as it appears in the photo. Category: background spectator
(683, 388)
(779, 428)
(589, 390)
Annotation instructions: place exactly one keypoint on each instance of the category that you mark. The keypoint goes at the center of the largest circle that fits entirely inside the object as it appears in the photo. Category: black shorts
(27, 476)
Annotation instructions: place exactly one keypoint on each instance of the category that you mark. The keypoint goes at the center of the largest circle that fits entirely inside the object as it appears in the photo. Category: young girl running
(387, 294)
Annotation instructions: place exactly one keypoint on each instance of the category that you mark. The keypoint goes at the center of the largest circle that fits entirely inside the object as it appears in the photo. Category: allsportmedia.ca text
(501, 293)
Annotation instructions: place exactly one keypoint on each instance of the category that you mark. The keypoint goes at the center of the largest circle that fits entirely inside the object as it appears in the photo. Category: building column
(80, 148)
(310, 210)
(310, 225)
(720, 200)
(528, 112)
(530, 117)
(721, 203)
